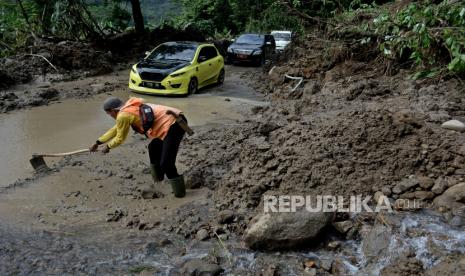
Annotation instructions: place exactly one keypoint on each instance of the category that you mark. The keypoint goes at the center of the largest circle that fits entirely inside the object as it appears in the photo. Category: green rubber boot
(178, 186)
(157, 176)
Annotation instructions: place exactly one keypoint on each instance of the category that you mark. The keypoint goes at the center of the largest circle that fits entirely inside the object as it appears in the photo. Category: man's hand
(106, 150)
(93, 148)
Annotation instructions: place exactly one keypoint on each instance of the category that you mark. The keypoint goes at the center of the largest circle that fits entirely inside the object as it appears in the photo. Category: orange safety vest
(162, 122)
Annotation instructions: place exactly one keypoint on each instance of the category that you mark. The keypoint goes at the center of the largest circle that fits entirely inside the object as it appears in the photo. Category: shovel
(38, 162)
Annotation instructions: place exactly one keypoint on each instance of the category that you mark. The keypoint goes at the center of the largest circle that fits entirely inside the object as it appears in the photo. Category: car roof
(252, 34)
(193, 43)
(285, 32)
(188, 43)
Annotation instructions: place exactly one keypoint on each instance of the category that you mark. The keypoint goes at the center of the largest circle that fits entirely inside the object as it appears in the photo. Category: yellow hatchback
(177, 68)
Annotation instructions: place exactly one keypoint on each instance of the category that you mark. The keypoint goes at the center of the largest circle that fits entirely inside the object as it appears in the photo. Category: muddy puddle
(76, 123)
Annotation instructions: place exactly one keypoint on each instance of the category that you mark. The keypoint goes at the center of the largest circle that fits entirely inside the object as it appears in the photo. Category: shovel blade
(38, 163)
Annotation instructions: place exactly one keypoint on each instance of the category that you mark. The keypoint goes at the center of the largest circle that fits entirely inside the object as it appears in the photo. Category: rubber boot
(178, 186)
(156, 173)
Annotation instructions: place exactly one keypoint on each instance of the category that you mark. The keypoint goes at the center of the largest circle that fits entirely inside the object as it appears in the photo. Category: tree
(137, 16)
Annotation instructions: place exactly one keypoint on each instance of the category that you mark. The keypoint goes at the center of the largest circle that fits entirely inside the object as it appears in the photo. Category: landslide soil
(352, 127)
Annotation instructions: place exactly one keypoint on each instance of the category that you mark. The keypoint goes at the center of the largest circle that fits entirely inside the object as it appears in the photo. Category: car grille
(153, 85)
(243, 52)
(152, 76)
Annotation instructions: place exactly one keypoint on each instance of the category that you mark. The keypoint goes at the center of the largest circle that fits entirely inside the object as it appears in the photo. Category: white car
(282, 38)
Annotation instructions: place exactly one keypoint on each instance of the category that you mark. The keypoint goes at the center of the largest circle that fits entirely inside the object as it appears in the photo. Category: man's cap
(112, 103)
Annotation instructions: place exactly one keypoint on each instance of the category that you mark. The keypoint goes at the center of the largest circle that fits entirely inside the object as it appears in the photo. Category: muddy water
(75, 124)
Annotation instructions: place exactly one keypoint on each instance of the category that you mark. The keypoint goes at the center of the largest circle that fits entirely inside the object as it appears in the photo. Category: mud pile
(347, 130)
(69, 58)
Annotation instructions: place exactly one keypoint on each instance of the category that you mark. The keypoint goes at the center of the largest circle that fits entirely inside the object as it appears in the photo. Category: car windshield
(282, 36)
(184, 52)
(250, 39)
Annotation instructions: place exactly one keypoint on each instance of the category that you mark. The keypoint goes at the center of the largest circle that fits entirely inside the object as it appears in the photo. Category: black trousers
(163, 153)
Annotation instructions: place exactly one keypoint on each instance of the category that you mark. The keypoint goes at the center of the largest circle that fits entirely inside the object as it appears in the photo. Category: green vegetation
(429, 34)
(426, 33)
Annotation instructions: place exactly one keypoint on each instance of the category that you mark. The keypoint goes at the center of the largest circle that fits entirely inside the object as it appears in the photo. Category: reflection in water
(75, 124)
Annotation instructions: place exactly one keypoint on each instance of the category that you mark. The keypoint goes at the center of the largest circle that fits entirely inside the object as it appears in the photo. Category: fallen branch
(6, 45)
(35, 55)
(295, 78)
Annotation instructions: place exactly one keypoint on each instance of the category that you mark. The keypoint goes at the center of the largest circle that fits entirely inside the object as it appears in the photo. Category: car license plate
(242, 56)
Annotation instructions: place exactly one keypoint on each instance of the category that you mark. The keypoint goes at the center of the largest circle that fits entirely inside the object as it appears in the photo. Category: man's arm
(123, 124)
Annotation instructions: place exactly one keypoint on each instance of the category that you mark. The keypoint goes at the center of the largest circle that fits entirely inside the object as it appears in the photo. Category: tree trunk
(137, 16)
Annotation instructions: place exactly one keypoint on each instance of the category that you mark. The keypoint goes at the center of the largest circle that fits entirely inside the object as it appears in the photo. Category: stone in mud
(226, 217)
(452, 265)
(409, 266)
(454, 125)
(49, 94)
(339, 268)
(202, 234)
(422, 195)
(343, 226)
(375, 245)
(440, 185)
(386, 191)
(197, 267)
(273, 231)
(425, 182)
(404, 185)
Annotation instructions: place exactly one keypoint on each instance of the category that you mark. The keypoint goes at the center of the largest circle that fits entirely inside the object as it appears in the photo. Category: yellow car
(177, 68)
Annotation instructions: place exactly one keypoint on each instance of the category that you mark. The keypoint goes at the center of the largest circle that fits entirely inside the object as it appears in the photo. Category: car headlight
(133, 70)
(177, 74)
(257, 52)
(230, 50)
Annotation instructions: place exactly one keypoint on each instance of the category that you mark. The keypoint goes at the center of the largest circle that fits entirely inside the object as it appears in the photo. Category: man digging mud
(164, 125)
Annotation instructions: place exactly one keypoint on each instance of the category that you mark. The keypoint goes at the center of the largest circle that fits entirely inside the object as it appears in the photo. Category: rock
(285, 230)
(425, 182)
(326, 264)
(407, 195)
(202, 234)
(375, 245)
(403, 266)
(334, 245)
(226, 217)
(339, 268)
(424, 195)
(49, 94)
(197, 267)
(448, 199)
(404, 185)
(454, 125)
(310, 271)
(440, 185)
(343, 226)
(386, 191)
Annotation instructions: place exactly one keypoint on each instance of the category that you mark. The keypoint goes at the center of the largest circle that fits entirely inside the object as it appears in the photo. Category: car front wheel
(220, 77)
(193, 86)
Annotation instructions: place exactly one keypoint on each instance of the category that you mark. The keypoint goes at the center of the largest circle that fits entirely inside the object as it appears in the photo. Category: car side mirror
(202, 59)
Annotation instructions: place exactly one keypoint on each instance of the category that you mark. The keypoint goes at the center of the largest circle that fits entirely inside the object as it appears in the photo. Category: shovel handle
(62, 153)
